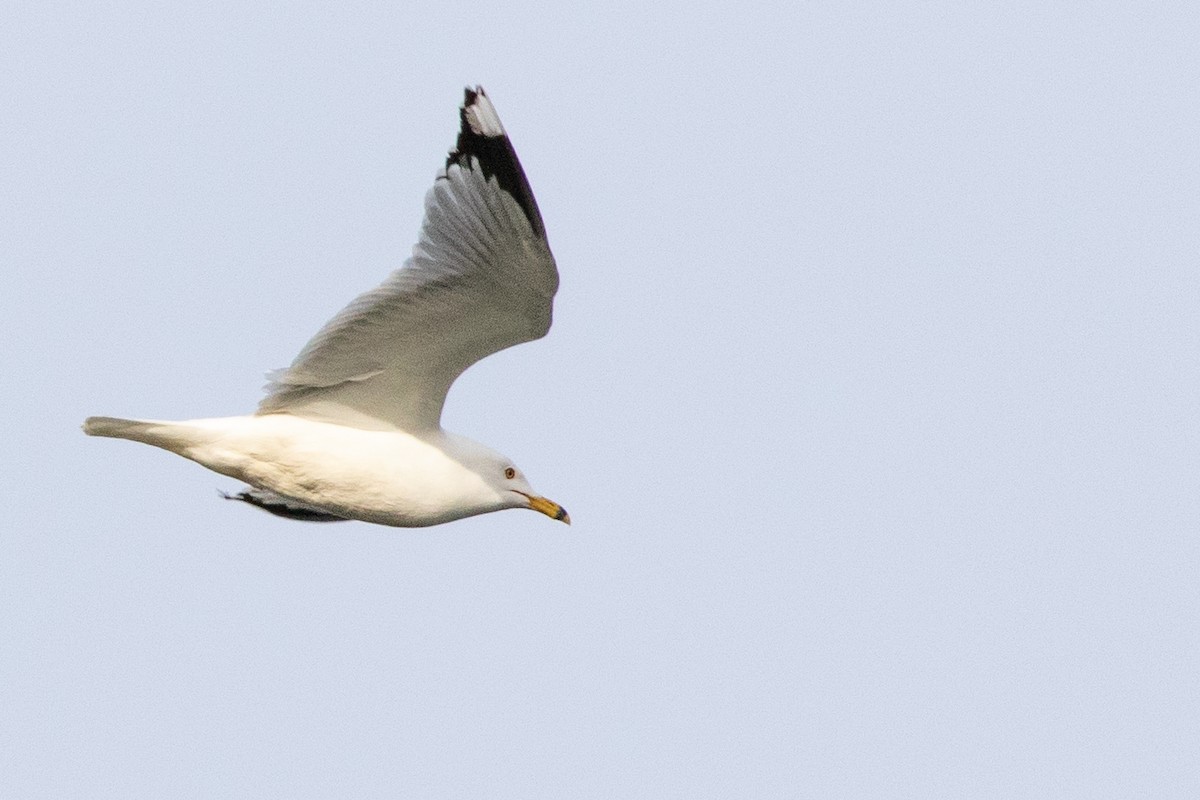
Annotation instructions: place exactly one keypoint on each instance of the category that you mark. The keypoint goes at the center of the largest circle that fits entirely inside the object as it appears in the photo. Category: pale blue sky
(872, 393)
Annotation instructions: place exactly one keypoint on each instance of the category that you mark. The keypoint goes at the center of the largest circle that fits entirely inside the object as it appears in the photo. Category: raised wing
(481, 278)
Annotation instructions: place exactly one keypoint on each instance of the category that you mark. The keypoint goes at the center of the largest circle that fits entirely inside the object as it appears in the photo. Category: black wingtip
(481, 136)
(280, 507)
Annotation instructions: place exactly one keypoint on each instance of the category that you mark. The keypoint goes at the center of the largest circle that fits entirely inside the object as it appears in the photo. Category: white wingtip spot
(482, 116)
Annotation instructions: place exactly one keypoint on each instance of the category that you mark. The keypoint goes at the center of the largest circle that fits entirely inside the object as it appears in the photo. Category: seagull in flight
(352, 429)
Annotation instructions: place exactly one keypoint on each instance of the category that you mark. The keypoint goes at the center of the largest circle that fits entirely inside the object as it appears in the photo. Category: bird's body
(352, 429)
(385, 477)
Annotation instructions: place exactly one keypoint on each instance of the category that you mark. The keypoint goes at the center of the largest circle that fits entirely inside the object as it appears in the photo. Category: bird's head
(505, 483)
(512, 485)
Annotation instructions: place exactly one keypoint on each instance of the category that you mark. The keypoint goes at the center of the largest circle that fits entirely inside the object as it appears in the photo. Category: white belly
(385, 477)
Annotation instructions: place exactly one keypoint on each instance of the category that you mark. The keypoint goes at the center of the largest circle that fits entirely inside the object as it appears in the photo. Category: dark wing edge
(482, 137)
(281, 506)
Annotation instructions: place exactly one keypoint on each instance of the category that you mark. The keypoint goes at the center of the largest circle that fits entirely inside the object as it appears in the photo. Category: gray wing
(481, 278)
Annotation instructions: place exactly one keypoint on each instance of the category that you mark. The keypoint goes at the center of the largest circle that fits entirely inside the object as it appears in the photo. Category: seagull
(352, 429)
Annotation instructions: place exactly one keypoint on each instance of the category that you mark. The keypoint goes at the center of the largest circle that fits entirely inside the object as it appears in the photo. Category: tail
(178, 437)
(115, 428)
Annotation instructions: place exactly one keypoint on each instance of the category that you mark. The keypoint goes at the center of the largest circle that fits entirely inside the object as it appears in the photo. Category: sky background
(872, 393)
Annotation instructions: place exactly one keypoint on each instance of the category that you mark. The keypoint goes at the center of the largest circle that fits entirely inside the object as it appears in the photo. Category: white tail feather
(178, 437)
(114, 427)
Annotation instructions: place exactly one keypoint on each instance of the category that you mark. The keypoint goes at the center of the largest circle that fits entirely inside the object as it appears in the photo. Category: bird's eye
(510, 473)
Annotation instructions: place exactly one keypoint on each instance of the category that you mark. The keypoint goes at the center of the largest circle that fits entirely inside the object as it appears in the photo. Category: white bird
(352, 429)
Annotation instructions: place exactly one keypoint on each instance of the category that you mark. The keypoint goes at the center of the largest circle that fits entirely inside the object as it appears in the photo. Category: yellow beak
(549, 508)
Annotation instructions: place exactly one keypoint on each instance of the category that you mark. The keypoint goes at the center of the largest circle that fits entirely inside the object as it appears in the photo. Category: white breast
(386, 477)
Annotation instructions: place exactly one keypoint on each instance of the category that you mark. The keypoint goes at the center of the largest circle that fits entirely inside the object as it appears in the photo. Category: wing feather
(481, 278)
